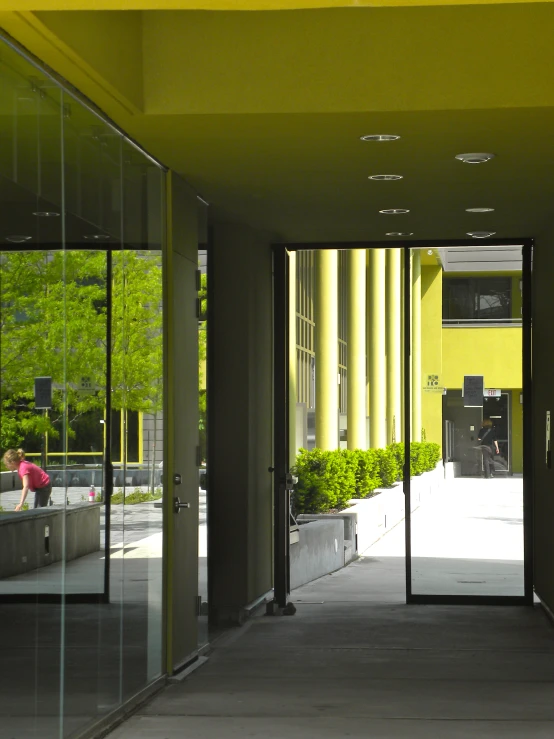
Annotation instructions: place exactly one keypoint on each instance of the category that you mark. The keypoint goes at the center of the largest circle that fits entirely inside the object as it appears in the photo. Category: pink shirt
(37, 477)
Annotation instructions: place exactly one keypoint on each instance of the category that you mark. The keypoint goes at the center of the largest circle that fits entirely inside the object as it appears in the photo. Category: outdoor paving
(135, 534)
(467, 541)
(356, 661)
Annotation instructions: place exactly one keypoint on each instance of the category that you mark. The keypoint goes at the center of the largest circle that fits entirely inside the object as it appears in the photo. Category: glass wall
(203, 255)
(467, 515)
(81, 373)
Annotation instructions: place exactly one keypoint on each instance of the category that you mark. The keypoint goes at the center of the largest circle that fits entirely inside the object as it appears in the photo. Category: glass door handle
(177, 505)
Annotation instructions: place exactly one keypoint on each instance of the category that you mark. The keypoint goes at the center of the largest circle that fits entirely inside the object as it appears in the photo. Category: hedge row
(328, 480)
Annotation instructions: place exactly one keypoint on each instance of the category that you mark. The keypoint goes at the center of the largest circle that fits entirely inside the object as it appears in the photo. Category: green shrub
(424, 456)
(388, 466)
(366, 472)
(327, 480)
(397, 450)
(137, 496)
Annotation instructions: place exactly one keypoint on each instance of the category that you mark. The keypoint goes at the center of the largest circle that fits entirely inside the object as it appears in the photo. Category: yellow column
(292, 358)
(376, 350)
(327, 350)
(394, 303)
(356, 338)
(416, 345)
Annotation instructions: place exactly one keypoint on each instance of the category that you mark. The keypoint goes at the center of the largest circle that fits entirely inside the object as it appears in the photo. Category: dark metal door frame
(280, 469)
(281, 451)
(104, 596)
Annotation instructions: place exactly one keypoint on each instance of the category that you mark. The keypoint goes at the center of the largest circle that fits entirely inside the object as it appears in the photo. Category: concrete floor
(355, 661)
(84, 660)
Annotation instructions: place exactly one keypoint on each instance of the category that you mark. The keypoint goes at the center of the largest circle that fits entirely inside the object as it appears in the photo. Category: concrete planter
(40, 536)
(363, 523)
(318, 551)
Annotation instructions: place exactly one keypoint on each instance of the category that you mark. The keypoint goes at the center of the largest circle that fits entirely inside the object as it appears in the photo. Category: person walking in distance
(488, 446)
(34, 478)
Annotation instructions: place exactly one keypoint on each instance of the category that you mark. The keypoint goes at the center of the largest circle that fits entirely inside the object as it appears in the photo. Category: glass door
(466, 364)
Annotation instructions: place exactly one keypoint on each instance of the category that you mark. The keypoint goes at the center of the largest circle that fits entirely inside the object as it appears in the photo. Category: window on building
(477, 298)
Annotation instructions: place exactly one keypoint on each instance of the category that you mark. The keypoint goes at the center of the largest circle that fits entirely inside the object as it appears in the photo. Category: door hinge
(199, 456)
(198, 605)
(198, 280)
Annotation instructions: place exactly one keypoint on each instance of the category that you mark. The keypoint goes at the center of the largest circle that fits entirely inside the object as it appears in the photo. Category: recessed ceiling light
(478, 158)
(380, 137)
(430, 252)
(18, 239)
(46, 214)
(479, 210)
(97, 237)
(399, 233)
(481, 234)
(394, 211)
(385, 177)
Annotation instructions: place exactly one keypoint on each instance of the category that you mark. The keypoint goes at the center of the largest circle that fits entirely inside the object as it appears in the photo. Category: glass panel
(32, 316)
(91, 177)
(203, 256)
(467, 511)
(81, 283)
(138, 395)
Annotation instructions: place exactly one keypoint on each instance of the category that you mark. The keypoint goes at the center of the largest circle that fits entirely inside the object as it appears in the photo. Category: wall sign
(473, 388)
(43, 392)
(433, 384)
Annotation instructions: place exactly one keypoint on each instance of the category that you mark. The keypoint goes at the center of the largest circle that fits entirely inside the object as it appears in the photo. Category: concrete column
(356, 356)
(241, 431)
(416, 345)
(376, 349)
(292, 358)
(327, 350)
(394, 304)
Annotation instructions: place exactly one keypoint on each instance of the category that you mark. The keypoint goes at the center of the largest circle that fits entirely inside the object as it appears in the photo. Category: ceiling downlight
(380, 137)
(479, 210)
(399, 233)
(97, 237)
(16, 239)
(475, 158)
(46, 214)
(480, 234)
(385, 177)
(394, 211)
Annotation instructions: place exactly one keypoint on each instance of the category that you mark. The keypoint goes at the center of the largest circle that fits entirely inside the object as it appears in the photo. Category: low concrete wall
(386, 509)
(9, 481)
(84, 477)
(350, 522)
(364, 523)
(35, 538)
(319, 551)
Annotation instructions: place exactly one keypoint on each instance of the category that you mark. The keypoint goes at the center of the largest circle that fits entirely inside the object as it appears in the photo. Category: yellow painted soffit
(44, 5)
(45, 45)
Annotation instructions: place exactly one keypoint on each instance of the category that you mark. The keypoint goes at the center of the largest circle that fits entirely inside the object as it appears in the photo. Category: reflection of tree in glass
(202, 353)
(137, 337)
(53, 323)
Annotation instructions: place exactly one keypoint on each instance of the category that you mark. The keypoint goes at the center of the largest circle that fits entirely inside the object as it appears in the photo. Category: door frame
(102, 596)
(281, 456)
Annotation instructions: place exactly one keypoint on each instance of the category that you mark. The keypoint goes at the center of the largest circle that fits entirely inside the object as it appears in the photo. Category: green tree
(53, 320)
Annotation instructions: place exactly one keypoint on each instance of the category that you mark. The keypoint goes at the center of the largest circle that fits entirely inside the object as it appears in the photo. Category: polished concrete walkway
(355, 661)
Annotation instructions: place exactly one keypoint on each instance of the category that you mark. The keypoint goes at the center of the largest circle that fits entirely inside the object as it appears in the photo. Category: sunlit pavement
(135, 534)
(465, 540)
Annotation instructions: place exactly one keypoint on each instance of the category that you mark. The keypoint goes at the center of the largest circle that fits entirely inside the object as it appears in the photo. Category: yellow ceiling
(262, 113)
(228, 5)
